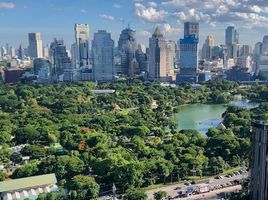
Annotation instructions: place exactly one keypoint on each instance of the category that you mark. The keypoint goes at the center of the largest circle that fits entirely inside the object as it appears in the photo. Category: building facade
(103, 56)
(81, 52)
(160, 56)
(259, 171)
(59, 57)
(35, 49)
(207, 48)
(189, 53)
(232, 42)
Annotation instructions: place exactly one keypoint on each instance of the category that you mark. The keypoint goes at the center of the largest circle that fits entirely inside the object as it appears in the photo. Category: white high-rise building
(103, 56)
(35, 45)
(81, 54)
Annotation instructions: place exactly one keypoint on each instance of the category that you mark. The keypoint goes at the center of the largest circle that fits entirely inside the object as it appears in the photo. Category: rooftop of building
(29, 182)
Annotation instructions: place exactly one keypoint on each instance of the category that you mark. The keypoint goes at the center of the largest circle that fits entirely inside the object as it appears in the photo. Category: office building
(127, 44)
(103, 56)
(42, 69)
(142, 59)
(59, 57)
(35, 49)
(232, 42)
(207, 48)
(120, 62)
(21, 54)
(256, 55)
(265, 45)
(246, 50)
(81, 52)
(160, 56)
(191, 28)
(46, 52)
(189, 53)
(259, 171)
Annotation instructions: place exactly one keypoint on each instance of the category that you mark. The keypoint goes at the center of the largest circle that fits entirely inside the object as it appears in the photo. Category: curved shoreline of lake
(201, 117)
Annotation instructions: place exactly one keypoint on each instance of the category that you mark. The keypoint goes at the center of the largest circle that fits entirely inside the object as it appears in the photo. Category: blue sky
(56, 18)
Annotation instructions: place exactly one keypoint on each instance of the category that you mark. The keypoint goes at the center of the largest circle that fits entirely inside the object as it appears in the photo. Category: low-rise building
(29, 187)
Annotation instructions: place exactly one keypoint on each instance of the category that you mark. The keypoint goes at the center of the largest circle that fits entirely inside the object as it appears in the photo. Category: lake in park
(201, 117)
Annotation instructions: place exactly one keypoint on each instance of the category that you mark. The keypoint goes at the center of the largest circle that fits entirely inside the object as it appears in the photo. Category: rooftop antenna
(123, 21)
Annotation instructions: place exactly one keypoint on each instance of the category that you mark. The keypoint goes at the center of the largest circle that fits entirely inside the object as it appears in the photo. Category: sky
(56, 18)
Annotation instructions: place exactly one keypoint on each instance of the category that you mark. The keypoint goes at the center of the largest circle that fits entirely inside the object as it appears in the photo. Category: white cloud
(107, 17)
(150, 14)
(211, 12)
(7, 5)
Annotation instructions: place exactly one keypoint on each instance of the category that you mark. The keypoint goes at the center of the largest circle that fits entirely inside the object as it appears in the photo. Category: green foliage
(52, 196)
(135, 145)
(83, 187)
(135, 194)
(161, 195)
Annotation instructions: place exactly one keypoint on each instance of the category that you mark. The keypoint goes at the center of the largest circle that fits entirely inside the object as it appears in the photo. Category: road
(171, 190)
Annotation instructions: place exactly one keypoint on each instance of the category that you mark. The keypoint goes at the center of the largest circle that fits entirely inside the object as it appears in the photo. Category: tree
(135, 194)
(52, 196)
(28, 170)
(83, 187)
(161, 195)
(2, 176)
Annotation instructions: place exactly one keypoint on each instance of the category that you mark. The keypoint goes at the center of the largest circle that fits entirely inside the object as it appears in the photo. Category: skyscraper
(127, 44)
(160, 56)
(81, 54)
(189, 53)
(103, 56)
(259, 171)
(59, 57)
(232, 42)
(21, 52)
(207, 47)
(191, 28)
(35, 49)
(265, 45)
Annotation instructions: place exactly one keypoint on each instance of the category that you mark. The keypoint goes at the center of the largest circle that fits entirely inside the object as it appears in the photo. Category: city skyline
(56, 18)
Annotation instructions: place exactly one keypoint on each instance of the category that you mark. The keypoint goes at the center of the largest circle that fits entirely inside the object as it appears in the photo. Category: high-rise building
(265, 45)
(59, 57)
(12, 52)
(42, 69)
(189, 53)
(127, 44)
(35, 48)
(191, 28)
(46, 52)
(259, 171)
(207, 47)
(21, 54)
(256, 56)
(246, 50)
(142, 59)
(81, 52)
(160, 56)
(103, 56)
(232, 42)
